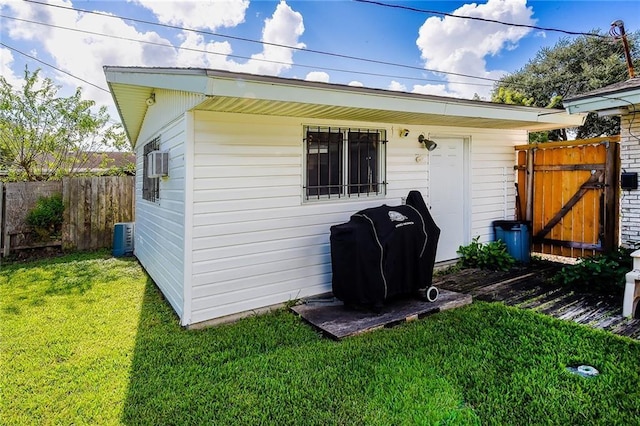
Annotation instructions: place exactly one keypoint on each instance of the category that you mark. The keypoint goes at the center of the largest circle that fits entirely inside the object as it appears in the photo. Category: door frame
(466, 183)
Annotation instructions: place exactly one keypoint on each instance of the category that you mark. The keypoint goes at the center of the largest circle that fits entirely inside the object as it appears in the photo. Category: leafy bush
(492, 255)
(599, 271)
(46, 217)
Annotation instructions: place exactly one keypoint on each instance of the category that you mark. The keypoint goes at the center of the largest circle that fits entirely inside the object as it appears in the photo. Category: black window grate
(150, 186)
(343, 162)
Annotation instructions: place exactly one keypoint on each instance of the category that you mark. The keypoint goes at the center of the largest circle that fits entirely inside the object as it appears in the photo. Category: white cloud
(84, 55)
(317, 76)
(6, 62)
(198, 14)
(284, 28)
(195, 52)
(81, 53)
(394, 85)
(431, 89)
(356, 83)
(458, 45)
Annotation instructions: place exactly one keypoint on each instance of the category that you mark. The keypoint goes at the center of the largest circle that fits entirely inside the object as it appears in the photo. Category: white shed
(259, 169)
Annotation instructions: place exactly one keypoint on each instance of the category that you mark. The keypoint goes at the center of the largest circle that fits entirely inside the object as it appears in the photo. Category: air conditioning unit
(158, 164)
(123, 239)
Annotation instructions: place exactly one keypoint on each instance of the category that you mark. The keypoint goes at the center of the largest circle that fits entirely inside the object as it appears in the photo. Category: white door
(447, 193)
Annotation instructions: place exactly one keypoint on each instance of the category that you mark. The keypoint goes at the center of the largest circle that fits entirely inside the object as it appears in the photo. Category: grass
(88, 339)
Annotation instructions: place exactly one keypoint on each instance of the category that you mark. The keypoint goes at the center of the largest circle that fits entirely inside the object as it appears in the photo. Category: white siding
(160, 230)
(256, 243)
(170, 105)
(493, 178)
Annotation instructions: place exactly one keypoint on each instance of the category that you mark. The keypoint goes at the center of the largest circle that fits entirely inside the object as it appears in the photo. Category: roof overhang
(603, 103)
(253, 94)
(610, 100)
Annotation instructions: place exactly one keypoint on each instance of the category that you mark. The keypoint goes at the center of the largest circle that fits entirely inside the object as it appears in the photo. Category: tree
(570, 68)
(43, 136)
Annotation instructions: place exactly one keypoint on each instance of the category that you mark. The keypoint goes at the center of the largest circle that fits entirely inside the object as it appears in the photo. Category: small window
(344, 162)
(150, 185)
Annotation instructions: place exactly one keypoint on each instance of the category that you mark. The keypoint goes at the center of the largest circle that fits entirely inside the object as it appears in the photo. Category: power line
(191, 49)
(211, 33)
(54, 67)
(475, 18)
(286, 46)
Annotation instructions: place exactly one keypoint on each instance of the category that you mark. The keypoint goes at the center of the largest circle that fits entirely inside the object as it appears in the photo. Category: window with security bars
(150, 185)
(344, 162)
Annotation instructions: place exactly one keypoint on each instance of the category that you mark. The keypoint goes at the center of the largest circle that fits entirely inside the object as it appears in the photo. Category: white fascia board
(600, 103)
(402, 102)
(517, 113)
(196, 82)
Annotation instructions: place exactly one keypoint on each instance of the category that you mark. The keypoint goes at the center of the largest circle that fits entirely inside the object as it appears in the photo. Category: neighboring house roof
(97, 161)
(131, 87)
(101, 160)
(616, 97)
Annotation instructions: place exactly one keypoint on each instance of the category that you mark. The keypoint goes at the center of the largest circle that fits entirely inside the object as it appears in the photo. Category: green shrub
(46, 217)
(599, 271)
(492, 255)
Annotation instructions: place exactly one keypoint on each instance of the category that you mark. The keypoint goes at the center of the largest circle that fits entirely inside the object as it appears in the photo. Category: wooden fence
(16, 200)
(569, 193)
(93, 205)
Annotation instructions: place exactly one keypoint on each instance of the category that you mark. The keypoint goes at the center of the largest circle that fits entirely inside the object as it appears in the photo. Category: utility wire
(191, 49)
(211, 33)
(475, 18)
(54, 67)
(286, 46)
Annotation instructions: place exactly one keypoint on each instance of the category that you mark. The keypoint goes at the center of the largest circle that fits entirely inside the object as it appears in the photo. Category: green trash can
(515, 234)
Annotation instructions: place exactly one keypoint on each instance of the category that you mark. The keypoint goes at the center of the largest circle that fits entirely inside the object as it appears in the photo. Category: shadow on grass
(181, 376)
(74, 274)
(483, 362)
(274, 369)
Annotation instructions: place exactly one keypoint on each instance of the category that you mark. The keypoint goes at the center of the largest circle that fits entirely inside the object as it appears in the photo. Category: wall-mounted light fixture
(151, 99)
(404, 133)
(427, 143)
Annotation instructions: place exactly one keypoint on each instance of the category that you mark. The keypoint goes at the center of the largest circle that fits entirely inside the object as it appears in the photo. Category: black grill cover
(383, 252)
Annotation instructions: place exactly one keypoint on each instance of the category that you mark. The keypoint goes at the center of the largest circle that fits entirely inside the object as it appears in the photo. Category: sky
(352, 42)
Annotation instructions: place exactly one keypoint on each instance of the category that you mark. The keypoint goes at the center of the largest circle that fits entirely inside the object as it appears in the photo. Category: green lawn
(88, 339)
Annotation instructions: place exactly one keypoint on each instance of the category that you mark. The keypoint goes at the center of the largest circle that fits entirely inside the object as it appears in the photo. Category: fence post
(2, 217)
(6, 238)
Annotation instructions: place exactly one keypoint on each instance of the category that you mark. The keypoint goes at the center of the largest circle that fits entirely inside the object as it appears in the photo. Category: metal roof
(265, 95)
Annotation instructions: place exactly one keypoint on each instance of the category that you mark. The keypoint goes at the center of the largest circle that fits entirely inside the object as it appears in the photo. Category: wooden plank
(611, 196)
(95, 210)
(591, 203)
(338, 322)
(529, 214)
(572, 201)
(537, 200)
(576, 245)
(66, 227)
(521, 179)
(40, 245)
(565, 144)
(102, 212)
(81, 203)
(567, 167)
(114, 205)
(2, 218)
(73, 213)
